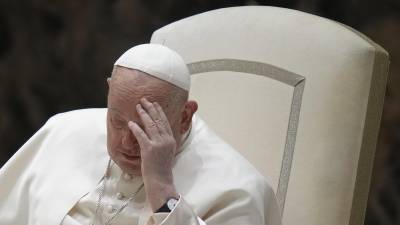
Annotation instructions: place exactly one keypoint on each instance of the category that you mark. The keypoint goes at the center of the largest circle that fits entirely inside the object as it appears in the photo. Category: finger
(149, 125)
(151, 110)
(164, 118)
(155, 115)
(139, 134)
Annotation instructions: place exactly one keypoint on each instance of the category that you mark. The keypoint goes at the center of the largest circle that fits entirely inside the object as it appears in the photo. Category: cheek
(113, 138)
(176, 127)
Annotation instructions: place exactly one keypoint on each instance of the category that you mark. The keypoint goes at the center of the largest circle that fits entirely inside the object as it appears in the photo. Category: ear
(187, 113)
(108, 81)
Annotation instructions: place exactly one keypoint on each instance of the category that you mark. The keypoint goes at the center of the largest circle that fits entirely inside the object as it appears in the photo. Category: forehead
(123, 75)
(128, 86)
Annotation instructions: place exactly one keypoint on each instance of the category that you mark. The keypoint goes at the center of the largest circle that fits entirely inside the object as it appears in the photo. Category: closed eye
(117, 123)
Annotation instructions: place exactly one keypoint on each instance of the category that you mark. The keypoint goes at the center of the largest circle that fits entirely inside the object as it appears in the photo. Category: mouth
(130, 157)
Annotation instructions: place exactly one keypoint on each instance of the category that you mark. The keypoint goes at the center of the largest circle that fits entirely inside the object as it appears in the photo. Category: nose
(128, 139)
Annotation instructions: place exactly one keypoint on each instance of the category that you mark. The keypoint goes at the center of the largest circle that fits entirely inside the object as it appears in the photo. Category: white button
(128, 176)
(110, 209)
(120, 195)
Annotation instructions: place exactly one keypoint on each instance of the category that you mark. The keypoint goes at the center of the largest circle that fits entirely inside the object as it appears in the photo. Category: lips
(131, 157)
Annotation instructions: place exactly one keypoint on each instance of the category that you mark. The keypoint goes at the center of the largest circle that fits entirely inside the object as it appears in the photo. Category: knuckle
(153, 125)
(159, 122)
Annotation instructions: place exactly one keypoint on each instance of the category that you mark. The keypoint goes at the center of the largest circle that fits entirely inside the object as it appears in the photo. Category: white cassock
(54, 178)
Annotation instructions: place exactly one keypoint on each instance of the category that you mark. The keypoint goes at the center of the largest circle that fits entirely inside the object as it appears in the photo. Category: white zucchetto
(158, 61)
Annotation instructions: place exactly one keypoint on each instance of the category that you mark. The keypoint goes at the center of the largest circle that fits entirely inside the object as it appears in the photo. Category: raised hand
(158, 147)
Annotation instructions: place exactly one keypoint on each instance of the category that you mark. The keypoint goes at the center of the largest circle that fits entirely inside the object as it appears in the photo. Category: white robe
(66, 158)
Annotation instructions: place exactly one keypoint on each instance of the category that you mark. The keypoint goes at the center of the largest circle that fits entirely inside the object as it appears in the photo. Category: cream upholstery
(312, 131)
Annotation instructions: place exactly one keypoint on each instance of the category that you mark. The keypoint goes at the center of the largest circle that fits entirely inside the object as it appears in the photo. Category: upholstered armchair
(298, 95)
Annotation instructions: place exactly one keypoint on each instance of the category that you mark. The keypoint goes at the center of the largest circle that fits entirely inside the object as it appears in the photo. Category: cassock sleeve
(15, 177)
(234, 208)
(181, 214)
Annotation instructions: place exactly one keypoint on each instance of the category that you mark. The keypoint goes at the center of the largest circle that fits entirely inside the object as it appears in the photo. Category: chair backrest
(298, 95)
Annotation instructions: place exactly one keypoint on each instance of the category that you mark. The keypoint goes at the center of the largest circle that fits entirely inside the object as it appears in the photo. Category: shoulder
(211, 160)
(215, 178)
(78, 118)
(77, 126)
(89, 115)
(72, 138)
(219, 153)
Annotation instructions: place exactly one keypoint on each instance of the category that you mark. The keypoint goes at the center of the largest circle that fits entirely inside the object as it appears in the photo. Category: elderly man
(152, 162)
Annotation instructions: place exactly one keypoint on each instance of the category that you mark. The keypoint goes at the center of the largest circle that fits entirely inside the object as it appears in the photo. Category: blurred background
(55, 57)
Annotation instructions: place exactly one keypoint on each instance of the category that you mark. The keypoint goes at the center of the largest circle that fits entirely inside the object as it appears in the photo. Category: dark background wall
(56, 55)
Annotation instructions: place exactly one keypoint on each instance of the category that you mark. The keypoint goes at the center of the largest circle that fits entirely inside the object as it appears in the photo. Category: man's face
(126, 88)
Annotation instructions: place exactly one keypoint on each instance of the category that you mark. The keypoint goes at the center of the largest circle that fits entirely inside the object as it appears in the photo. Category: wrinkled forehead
(131, 85)
(120, 73)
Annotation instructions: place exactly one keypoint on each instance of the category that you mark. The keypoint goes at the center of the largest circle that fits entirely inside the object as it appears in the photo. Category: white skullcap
(158, 61)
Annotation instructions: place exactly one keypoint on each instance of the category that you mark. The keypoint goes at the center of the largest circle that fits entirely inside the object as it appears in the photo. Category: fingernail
(131, 124)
